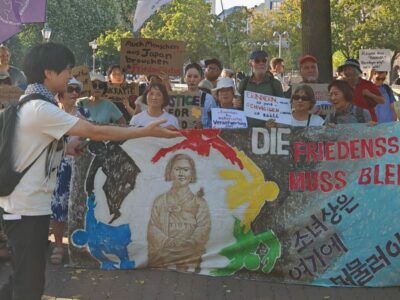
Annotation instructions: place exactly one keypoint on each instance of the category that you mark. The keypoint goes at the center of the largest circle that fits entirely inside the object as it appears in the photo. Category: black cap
(213, 61)
(350, 62)
(258, 54)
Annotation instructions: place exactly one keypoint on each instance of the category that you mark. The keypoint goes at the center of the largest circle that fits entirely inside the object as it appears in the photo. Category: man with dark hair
(16, 76)
(261, 81)
(213, 70)
(39, 140)
(366, 94)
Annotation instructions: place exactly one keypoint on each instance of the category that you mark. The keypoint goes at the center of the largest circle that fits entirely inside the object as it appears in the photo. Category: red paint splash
(201, 141)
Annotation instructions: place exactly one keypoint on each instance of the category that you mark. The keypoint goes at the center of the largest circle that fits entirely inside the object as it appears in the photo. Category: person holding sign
(261, 81)
(193, 77)
(302, 103)
(341, 96)
(156, 98)
(101, 111)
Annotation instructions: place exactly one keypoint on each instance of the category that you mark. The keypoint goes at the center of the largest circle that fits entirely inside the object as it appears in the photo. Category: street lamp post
(46, 33)
(280, 35)
(262, 44)
(94, 45)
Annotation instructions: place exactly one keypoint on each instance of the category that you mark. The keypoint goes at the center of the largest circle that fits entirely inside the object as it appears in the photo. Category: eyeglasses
(380, 78)
(302, 98)
(260, 60)
(71, 89)
(99, 86)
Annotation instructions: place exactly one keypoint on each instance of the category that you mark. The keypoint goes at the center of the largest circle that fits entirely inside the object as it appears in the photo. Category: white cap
(73, 80)
(97, 76)
(225, 83)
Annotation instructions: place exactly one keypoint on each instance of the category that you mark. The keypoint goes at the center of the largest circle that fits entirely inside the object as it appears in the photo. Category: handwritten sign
(81, 73)
(266, 107)
(116, 92)
(378, 59)
(9, 94)
(151, 56)
(186, 108)
(323, 105)
(228, 118)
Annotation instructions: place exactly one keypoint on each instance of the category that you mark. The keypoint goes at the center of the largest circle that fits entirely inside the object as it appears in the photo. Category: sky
(230, 3)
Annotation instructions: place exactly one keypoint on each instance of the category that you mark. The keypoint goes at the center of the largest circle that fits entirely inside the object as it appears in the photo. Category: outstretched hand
(154, 130)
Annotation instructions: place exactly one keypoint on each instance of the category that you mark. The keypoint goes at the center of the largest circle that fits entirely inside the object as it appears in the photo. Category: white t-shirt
(314, 121)
(143, 119)
(40, 124)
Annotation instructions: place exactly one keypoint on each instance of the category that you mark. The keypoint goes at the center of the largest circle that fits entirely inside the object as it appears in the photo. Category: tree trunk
(316, 35)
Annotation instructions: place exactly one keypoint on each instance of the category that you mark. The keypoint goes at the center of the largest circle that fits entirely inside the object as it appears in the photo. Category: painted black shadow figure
(121, 172)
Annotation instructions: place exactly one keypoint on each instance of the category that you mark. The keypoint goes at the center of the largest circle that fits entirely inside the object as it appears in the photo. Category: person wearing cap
(225, 94)
(366, 94)
(60, 198)
(213, 70)
(16, 76)
(308, 65)
(101, 110)
(261, 81)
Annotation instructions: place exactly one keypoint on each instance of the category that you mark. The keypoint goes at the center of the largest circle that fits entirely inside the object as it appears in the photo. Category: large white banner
(144, 9)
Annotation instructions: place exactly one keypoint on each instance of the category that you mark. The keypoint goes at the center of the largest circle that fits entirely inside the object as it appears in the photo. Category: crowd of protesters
(354, 100)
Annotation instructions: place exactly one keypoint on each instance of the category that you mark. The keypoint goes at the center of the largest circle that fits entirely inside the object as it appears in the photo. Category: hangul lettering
(296, 273)
(337, 243)
(314, 258)
(393, 248)
(336, 218)
(343, 280)
(302, 240)
(317, 226)
(359, 272)
(344, 201)
(378, 262)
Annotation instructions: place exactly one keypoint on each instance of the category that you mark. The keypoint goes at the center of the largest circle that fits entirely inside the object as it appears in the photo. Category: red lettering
(340, 178)
(381, 148)
(389, 174)
(326, 185)
(367, 146)
(329, 151)
(393, 142)
(376, 175)
(312, 181)
(311, 152)
(343, 150)
(365, 176)
(354, 149)
(296, 181)
(298, 151)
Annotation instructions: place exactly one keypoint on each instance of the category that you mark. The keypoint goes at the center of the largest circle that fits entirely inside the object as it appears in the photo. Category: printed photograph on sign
(152, 56)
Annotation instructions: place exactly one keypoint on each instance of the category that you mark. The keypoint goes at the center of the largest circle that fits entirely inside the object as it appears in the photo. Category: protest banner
(309, 205)
(228, 118)
(152, 56)
(378, 59)
(81, 73)
(9, 94)
(117, 92)
(323, 106)
(186, 107)
(266, 107)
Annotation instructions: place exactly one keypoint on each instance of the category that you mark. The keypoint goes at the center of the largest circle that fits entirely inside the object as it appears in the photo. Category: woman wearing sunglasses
(101, 110)
(60, 197)
(302, 102)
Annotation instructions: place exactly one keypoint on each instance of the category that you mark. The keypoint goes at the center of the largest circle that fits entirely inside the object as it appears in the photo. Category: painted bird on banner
(144, 9)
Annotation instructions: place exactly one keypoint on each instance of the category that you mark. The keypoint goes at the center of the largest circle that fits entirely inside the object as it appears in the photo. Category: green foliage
(109, 45)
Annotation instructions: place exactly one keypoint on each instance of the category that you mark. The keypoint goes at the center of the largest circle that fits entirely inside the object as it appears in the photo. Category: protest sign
(323, 106)
(378, 59)
(81, 73)
(228, 118)
(152, 56)
(117, 92)
(294, 205)
(266, 107)
(9, 94)
(186, 107)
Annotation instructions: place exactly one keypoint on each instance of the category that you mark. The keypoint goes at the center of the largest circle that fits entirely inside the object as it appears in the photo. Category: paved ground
(66, 283)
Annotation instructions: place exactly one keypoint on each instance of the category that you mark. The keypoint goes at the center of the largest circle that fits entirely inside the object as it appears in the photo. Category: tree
(109, 45)
(187, 21)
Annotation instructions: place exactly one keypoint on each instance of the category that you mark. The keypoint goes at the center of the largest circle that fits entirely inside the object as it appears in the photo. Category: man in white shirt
(40, 134)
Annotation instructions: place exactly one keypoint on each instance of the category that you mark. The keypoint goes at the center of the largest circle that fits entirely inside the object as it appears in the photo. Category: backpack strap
(34, 96)
(203, 99)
